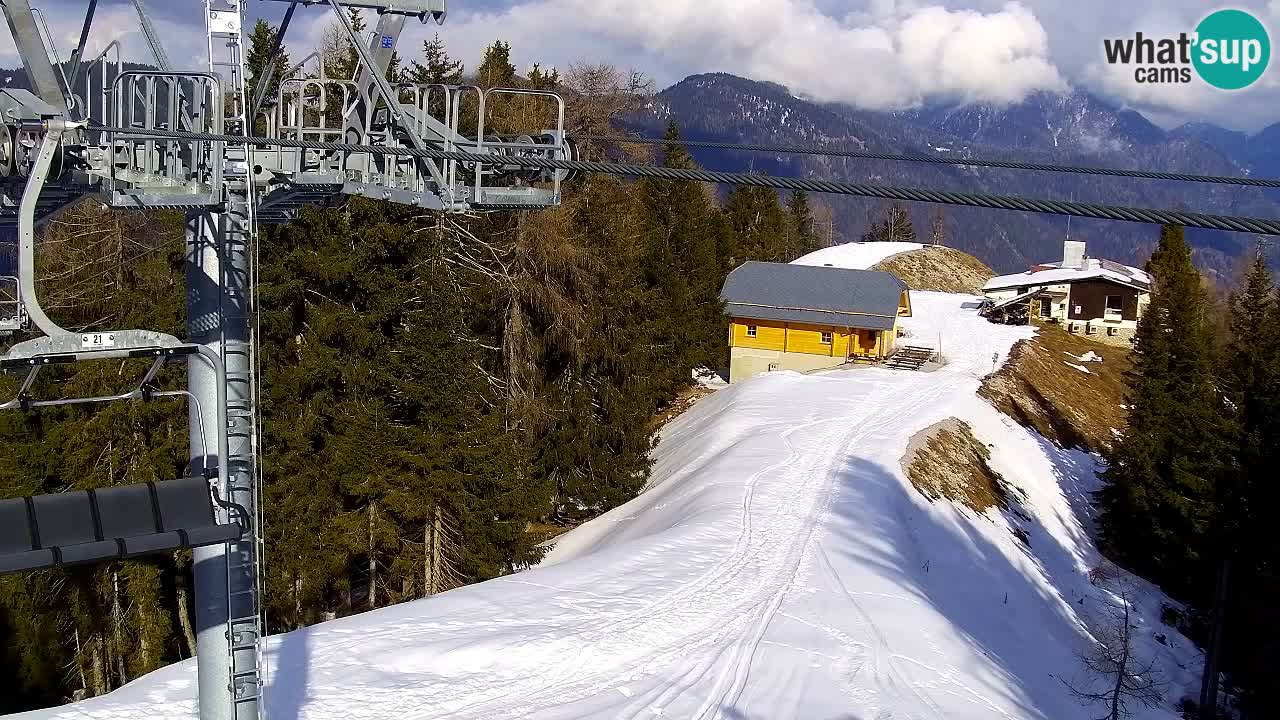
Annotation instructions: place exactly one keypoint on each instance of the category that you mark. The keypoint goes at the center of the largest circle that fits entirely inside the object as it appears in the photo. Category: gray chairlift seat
(108, 524)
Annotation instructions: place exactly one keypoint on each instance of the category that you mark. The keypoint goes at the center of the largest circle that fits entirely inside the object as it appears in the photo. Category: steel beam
(35, 56)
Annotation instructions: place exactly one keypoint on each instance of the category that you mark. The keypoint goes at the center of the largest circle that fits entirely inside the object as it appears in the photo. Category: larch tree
(1117, 674)
(938, 228)
(893, 226)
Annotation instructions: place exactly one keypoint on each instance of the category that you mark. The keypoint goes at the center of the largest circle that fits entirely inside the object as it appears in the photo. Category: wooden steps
(909, 357)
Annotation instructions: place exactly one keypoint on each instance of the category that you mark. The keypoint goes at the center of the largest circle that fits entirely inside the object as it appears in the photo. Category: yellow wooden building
(800, 317)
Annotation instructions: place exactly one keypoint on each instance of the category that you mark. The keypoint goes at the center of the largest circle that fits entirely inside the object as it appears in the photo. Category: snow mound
(779, 565)
(856, 255)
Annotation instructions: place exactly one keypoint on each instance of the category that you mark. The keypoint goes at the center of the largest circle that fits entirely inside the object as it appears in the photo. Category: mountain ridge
(1074, 128)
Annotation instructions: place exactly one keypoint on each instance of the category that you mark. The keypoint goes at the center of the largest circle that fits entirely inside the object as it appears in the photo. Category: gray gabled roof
(817, 295)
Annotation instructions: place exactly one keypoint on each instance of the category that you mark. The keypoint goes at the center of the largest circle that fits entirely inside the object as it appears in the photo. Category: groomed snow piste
(779, 566)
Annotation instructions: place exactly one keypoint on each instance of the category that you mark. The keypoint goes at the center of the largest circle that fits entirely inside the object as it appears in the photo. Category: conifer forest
(441, 394)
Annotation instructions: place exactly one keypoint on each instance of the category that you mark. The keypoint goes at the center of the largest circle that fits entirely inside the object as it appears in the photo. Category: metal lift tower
(57, 146)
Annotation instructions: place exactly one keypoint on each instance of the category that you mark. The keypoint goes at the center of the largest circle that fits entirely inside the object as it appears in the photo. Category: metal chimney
(1073, 254)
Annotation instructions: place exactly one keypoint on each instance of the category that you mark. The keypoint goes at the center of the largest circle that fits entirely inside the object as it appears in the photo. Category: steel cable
(916, 157)
(1231, 223)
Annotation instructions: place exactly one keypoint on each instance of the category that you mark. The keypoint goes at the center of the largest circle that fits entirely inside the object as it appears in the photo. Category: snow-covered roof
(1055, 274)
(856, 255)
(1016, 299)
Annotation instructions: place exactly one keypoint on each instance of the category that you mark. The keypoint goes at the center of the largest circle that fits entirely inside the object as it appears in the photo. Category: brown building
(1090, 296)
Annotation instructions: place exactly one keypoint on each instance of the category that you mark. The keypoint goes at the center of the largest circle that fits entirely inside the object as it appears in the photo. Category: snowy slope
(856, 255)
(779, 566)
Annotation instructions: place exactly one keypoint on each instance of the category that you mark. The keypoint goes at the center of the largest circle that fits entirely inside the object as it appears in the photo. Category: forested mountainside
(1076, 128)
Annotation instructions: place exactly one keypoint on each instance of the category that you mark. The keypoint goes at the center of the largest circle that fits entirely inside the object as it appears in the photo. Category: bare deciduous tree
(599, 94)
(824, 224)
(1116, 674)
(938, 228)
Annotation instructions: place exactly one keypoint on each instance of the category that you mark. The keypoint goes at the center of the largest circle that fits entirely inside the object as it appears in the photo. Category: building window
(1115, 307)
(751, 331)
(1046, 307)
(826, 337)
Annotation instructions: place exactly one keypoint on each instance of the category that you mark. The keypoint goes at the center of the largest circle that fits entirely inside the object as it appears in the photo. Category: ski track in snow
(779, 565)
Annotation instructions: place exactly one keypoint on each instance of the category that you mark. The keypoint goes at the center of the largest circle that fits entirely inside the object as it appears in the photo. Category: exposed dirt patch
(1055, 384)
(543, 532)
(683, 401)
(938, 268)
(945, 460)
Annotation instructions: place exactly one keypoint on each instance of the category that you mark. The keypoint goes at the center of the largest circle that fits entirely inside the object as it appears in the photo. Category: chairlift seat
(112, 523)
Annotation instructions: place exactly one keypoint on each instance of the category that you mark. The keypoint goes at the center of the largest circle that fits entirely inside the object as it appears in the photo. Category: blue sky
(878, 54)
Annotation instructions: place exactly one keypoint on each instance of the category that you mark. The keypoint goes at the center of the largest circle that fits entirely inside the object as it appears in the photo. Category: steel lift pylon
(56, 146)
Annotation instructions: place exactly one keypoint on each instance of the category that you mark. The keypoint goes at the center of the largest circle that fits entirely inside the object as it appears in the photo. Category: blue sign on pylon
(388, 42)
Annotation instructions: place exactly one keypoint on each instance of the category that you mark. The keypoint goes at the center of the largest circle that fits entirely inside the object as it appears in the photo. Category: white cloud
(184, 42)
(895, 55)
(882, 54)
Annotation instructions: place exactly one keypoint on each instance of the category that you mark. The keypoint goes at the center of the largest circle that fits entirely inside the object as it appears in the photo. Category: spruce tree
(437, 67)
(801, 237)
(759, 225)
(682, 262)
(1252, 382)
(381, 404)
(495, 69)
(1246, 505)
(878, 231)
(261, 41)
(1164, 469)
(897, 224)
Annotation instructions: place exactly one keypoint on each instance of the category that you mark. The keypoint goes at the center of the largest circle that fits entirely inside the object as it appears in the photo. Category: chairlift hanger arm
(153, 37)
(27, 231)
(78, 54)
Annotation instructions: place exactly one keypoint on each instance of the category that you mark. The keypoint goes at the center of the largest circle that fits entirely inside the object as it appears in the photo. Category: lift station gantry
(92, 128)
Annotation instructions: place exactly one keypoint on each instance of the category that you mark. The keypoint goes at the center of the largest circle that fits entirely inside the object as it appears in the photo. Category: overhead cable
(938, 160)
(998, 202)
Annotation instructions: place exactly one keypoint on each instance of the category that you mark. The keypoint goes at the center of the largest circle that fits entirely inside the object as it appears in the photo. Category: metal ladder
(239, 230)
(13, 316)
